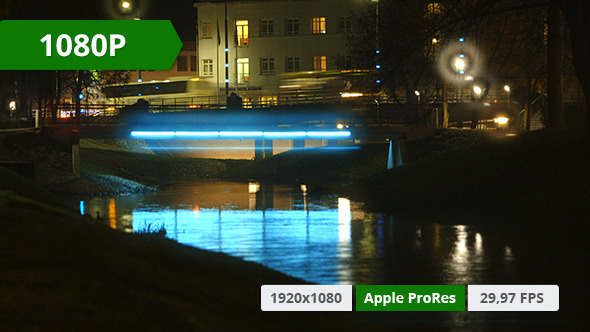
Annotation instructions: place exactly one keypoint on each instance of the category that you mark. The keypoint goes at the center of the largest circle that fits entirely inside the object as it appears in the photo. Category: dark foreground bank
(61, 271)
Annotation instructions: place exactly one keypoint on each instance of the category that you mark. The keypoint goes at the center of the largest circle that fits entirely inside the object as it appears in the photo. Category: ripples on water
(322, 239)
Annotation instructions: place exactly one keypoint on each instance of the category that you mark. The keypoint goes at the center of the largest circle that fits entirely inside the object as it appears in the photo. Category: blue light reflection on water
(321, 239)
(312, 242)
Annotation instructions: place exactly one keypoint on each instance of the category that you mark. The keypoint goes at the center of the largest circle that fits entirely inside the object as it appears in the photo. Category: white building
(266, 39)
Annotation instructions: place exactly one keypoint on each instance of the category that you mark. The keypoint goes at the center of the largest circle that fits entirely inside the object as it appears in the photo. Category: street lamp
(459, 64)
(417, 93)
(478, 90)
(127, 7)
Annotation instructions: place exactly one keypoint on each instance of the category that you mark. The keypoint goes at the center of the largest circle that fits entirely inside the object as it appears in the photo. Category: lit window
(268, 100)
(433, 10)
(292, 26)
(319, 63)
(181, 64)
(242, 33)
(267, 28)
(267, 66)
(207, 67)
(206, 29)
(318, 25)
(292, 64)
(243, 70)
(344, 25)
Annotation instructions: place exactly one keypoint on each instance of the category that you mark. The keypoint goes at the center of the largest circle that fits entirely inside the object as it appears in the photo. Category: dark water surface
(327, 240)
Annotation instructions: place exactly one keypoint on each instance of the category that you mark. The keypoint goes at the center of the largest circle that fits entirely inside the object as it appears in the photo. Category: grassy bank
(535, 176)
(331, 170)
(61, 271)
(321, 169)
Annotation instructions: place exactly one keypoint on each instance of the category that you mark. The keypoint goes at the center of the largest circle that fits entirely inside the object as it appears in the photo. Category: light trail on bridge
(241, 134)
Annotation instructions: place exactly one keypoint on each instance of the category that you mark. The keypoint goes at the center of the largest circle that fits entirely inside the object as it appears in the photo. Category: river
(327, 239)
(322, 239)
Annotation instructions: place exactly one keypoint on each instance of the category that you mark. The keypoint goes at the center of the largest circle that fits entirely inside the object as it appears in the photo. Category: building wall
(187, 51)
(279, 46)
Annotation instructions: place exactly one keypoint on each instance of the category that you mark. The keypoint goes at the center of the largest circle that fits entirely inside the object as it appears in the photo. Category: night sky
(180, 12)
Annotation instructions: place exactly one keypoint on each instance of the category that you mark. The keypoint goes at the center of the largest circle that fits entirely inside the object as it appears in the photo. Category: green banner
(88, 45)
(410, 298)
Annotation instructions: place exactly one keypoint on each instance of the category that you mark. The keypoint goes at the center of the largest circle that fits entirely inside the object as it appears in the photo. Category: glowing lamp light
(12, 105)
(501, 120)
(477, 89)
(226, 80)
(350, 94)
(125, 6)
(459, 64)
(507, 88)
(417, 93)
(81, 96)
(139, 80)
(340, 126)
(461, 39)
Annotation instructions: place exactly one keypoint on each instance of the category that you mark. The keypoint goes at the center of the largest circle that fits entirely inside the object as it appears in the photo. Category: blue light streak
(285, 134)
(341, 148)
(197, 133)
(241, 134)
(152, 133)
(328, 133)
(82, 207)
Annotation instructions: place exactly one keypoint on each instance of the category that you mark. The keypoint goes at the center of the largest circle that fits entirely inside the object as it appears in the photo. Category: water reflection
(323, 239)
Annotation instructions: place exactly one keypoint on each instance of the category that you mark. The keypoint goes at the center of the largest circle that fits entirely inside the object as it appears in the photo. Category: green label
(410, 298)
(88, 45)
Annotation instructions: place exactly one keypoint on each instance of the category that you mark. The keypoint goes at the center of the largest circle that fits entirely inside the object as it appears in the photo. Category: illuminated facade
(268, 38)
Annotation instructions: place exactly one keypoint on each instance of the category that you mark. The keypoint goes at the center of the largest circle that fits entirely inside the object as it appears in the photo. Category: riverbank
(63, 271)
(108, 170)
(332, 170)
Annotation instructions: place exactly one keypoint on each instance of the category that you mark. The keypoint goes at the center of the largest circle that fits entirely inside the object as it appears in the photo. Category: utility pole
(226, 56)
(77, 95)
(445, 96)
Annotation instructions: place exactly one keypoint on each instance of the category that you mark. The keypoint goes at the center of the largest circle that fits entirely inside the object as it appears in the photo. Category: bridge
(222, 133)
